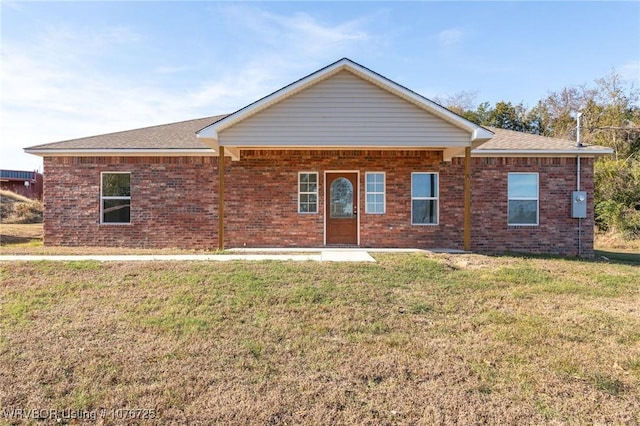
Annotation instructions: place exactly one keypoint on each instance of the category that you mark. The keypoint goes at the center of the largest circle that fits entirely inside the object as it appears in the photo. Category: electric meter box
(579, 204)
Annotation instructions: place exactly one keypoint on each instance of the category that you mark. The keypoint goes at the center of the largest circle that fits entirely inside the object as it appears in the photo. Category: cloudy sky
(74, 69)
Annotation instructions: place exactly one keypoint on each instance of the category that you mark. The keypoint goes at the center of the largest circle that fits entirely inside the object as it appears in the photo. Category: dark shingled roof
(181, 135)
(512, 140)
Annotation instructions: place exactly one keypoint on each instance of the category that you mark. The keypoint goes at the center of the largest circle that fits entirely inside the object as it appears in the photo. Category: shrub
(30, 212)
(617, 196)
(6, 209)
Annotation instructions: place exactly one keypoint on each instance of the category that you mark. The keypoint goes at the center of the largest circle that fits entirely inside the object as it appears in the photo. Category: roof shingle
(182, 135)
(508, 140)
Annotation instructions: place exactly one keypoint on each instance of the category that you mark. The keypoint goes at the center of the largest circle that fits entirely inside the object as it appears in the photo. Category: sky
(76, 69)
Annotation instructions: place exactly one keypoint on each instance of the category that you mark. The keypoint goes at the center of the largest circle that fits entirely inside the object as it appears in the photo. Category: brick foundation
(174, 202)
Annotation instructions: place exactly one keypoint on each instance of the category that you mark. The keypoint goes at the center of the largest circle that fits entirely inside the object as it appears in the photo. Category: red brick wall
(275, 175)
(273, 218)
(174, 202)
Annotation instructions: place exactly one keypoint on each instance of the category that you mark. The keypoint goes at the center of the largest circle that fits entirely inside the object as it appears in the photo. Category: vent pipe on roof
(578, 141)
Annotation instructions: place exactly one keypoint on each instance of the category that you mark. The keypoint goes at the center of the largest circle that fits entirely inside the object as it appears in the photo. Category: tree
(508, 116)
(504, 115)
(558, 112)
(617, 196)
(610, 114)
(481, 115)
(458, 102)
(610, 117)
(616, 116)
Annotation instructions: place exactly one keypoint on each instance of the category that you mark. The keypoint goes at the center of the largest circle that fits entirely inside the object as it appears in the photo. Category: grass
(615, 248)
(619, 256)
(21, 236)
(411, 339)
(10, 195)
(17, 209)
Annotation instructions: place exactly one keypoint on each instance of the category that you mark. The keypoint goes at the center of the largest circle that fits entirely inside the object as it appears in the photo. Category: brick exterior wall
(557, 232)
(278, 222)
(174, 201)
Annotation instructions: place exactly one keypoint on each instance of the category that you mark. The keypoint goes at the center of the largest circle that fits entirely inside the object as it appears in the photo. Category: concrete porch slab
(318, 256)
(346, 256)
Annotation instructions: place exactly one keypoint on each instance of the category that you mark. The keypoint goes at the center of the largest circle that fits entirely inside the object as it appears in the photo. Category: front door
(342, 208)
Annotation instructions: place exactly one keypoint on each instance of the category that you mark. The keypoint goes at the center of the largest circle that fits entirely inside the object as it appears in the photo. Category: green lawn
(411, 339)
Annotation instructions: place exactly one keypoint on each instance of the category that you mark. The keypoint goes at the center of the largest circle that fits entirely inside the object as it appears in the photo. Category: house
(28, 184)
(342, 157)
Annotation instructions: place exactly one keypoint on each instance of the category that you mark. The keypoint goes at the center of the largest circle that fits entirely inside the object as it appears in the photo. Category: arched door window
(341, 198)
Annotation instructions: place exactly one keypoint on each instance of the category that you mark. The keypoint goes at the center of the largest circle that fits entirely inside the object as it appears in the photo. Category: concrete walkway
(331, 255)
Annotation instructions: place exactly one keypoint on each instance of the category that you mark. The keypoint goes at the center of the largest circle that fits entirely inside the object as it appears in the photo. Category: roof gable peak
(477, 133)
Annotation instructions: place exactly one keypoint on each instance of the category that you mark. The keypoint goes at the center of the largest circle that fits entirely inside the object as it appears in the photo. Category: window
(424, 198)
(307, 192)
(115, 197)
(341, 198)
(523, 199)
(375, 193)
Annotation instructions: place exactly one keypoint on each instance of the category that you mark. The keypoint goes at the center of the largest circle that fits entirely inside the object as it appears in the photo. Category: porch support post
(221, 198)
(467, 198)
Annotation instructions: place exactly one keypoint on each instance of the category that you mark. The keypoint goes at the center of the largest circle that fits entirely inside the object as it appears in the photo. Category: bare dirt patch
(470, 261)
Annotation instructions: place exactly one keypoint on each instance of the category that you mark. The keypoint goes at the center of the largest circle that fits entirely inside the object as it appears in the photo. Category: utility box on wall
(579, 204)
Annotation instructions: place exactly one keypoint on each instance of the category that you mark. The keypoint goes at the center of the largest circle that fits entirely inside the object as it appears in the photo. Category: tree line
(610, 117)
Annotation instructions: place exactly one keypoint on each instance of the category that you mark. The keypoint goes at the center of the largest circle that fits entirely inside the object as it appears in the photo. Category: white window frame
(536, 199)
(383, 193)
(317, 192)
(103, 197)
(436, 198)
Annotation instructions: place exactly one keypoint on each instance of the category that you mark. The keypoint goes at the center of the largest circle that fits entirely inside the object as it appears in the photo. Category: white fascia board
(207, 133)
(481, 135)
(121, 152)
(331, 147)
(540, 152)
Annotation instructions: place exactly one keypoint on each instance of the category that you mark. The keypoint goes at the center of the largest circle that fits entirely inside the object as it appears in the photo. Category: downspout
(578, 145)
(579, 219)
(578, 174)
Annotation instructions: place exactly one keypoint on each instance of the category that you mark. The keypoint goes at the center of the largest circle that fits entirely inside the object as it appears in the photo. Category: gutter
(121, 152)
(541, 152)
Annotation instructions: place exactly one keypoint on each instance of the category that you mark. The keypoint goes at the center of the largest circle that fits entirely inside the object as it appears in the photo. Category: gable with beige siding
(344, 110)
